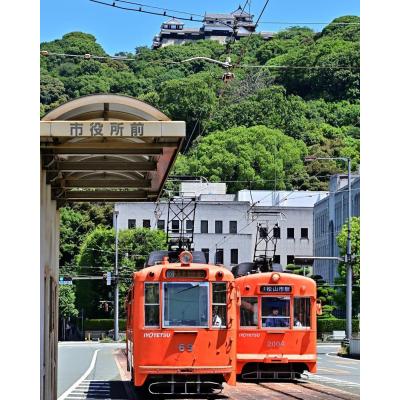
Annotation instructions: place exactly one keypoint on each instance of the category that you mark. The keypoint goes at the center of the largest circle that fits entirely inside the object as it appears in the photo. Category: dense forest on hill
(255, 129)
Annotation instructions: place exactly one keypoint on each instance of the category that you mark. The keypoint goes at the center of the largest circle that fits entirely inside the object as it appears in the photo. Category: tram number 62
(188, 347)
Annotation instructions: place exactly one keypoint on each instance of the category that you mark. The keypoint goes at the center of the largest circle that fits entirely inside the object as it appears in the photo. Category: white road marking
(325, 378)
(346, 366)
(350, 360)
(82, 378)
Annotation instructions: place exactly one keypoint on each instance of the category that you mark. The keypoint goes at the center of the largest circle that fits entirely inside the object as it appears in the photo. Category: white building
(225, 225)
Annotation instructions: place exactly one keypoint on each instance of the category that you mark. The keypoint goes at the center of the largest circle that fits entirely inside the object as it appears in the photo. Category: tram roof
(108, 147)
(264, 277)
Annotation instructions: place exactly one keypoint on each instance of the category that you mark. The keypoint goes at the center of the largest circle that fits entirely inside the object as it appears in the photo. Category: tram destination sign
(275, 289)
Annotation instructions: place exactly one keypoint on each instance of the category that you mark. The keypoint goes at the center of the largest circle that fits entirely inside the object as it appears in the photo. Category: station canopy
(108, 148)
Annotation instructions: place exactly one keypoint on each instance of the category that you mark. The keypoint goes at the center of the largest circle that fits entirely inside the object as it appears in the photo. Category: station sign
(275, 289)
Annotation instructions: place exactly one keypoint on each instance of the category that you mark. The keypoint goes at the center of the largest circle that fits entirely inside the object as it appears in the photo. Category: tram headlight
(185, 257)
(275, 277)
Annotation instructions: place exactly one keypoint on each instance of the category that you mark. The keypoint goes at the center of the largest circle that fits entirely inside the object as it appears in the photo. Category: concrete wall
(49, 256)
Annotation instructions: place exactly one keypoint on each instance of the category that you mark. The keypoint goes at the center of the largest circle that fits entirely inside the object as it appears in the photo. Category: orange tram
(181, 325)
(277, 331)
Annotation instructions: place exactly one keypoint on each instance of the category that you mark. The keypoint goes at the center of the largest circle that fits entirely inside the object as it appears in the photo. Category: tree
(298, 269)
(341, 239)
(66, 302)
(325, 294)
(239, 155)
(188, 99)
(51, 89)
(74, 225)
(97, 256)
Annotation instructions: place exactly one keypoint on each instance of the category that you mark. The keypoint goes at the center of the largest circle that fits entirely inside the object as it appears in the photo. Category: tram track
(308, 391)
(286, 391)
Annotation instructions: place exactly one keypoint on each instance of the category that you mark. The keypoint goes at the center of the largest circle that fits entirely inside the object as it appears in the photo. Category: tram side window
(151, 304)
(219, 305)
(275, 312)
(302, 308)
(249, 311)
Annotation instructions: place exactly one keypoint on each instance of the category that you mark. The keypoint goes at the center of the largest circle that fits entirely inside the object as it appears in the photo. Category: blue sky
(118, 30)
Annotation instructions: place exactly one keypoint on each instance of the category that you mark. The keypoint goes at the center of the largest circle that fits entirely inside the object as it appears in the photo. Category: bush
(103, 324)
(330, 325)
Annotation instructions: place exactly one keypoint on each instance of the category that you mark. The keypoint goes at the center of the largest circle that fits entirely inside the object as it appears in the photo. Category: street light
(347, 259)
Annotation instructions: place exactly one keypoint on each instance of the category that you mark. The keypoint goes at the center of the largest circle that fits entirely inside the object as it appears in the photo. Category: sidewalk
(120, 360)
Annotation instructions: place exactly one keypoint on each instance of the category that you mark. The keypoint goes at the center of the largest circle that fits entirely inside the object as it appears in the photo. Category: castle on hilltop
(219, 27)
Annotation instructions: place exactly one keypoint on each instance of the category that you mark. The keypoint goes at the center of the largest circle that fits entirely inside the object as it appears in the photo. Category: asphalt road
(337, 372)
(89, 371)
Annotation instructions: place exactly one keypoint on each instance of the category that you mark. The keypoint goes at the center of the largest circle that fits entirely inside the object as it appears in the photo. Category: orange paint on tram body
(277, 325)
(181, 324)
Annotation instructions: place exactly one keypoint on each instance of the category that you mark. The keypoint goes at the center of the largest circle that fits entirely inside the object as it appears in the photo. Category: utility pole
(116, 293)
(349, 271)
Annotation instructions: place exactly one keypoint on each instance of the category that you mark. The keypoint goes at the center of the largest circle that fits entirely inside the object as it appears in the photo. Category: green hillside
(258, 127)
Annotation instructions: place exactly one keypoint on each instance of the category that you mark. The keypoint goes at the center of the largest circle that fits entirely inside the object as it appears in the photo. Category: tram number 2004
(275, 343)
(187, 347)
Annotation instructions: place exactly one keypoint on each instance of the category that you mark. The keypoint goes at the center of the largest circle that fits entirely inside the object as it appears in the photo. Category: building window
(234, 256)
(232, 226)
(290, 233)
(146, 223)
(206, 254)
(204, 226)
(189, 226)
(175, 226)
(131, 223)
(218, 226)
(304, 233)
(277, 232)
(161, 224)
(219, 256)
(289, 260)
(263, 233)
(277, 259)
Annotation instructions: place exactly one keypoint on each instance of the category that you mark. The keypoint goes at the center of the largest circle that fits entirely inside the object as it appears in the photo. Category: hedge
(103, 324)
(330, 325)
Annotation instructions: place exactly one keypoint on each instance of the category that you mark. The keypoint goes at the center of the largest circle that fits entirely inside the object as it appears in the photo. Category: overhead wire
(87, 56)
(308, 23)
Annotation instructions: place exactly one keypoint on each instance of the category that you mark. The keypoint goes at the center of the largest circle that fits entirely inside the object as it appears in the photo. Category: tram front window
(186, 304)
(275, 312)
